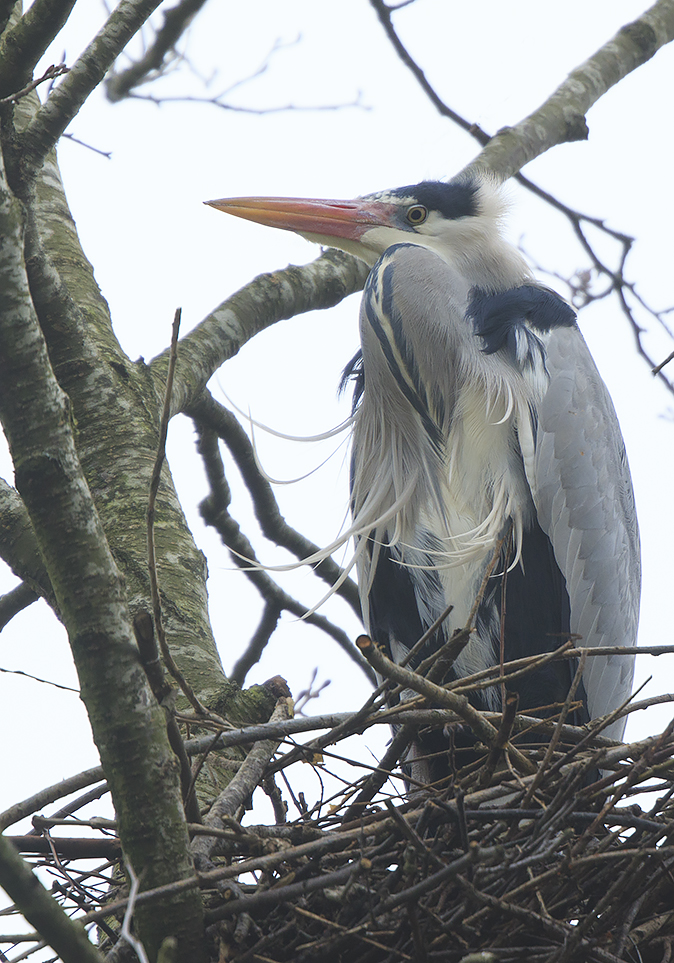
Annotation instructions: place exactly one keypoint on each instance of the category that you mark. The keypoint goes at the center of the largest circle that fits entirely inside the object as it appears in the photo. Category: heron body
(481, 425)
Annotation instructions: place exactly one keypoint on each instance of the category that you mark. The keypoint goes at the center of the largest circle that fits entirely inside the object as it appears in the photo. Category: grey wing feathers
(582, 491)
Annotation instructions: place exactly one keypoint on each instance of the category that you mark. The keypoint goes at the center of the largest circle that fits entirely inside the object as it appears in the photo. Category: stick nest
(495, 866)
(540, 855)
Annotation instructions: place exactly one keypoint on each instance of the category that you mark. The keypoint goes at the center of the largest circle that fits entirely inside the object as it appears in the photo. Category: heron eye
(417, 214)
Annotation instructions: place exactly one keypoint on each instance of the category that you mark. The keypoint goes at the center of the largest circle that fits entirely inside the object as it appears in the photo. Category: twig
(169, 661)
(457, 703)
(215, 512)
(65, 936)
(176, 21)
(207, 411)
(56, 70)
(125, 932)
(165, 696)
(243, 783)
(86, 73)
(49, 795)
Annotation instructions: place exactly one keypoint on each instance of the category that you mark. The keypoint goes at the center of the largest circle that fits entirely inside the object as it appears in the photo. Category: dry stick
(450, 700)
(64, 935)
(428, 634)
(152, 559)
(241, 787)
(347, 931)
(486, 678)
(437, 665)
(376, 779)
(636, 772)
(265, 900)
(401, 740)
(441, 661)
(502, 658)
(49, 795)
(332, 843)
(503, 735)
(50, 74)
(164, 693)
(557, 734)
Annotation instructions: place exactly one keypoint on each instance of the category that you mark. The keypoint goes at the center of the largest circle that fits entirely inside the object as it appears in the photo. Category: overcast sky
(154, 246)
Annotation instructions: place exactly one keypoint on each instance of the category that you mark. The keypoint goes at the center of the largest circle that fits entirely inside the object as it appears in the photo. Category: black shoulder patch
(494, 316)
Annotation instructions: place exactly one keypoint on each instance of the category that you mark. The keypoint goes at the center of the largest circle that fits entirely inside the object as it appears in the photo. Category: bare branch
(175, 23)
(15, 601)
(218, 101)
(256, 646)
(562, 117)
(23, 45)
(243, 783)
(84, 76)
(266, 300)
(46, 796)
(169, 661)
(65, 936)
(215, 511)
(56, 70)
(209, 412)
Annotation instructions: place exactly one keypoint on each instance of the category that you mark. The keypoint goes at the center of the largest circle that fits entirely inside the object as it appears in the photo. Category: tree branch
(86, 73)
(215, 511)
(241, 788)
(15, 601)
(18, 545)
(274, 527)
(64, 935)
(22, 46)
(266, 300)
(561, 118)
(175, 23)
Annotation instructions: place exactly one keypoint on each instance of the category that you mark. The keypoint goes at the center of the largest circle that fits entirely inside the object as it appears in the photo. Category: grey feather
(582, 490)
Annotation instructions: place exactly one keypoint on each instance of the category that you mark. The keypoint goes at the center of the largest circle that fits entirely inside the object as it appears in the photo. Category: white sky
(154, 246)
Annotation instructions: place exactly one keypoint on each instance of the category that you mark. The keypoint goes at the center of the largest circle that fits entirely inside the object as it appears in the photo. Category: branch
(215, 512)
(274, 527)
(65, 936)
(169, 661)
(86, 73)
(51, 73)
(23, 45)
(561, 118)
(15, 601)
(44, 797)
(241, 788)
(18, 545)
(175, 23)
(258, 642)
(266, 300)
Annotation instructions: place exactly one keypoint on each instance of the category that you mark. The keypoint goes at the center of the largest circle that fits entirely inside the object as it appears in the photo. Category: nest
(547, 860)
(494, 866)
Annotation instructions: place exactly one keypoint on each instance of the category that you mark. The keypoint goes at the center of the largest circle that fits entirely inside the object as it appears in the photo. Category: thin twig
(169, 661)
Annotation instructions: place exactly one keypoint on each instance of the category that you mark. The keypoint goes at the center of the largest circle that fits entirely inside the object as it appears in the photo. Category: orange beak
(321, 218)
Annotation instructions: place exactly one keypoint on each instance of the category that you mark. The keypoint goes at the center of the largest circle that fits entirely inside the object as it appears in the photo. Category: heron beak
(322, 219)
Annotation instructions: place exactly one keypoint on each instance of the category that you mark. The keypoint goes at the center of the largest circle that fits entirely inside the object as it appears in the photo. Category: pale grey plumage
(479, 412)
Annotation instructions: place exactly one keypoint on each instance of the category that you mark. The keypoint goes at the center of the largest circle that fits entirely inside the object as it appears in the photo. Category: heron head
(457, 220)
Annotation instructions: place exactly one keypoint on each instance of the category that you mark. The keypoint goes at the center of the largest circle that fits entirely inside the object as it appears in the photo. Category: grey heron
(478, 413)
